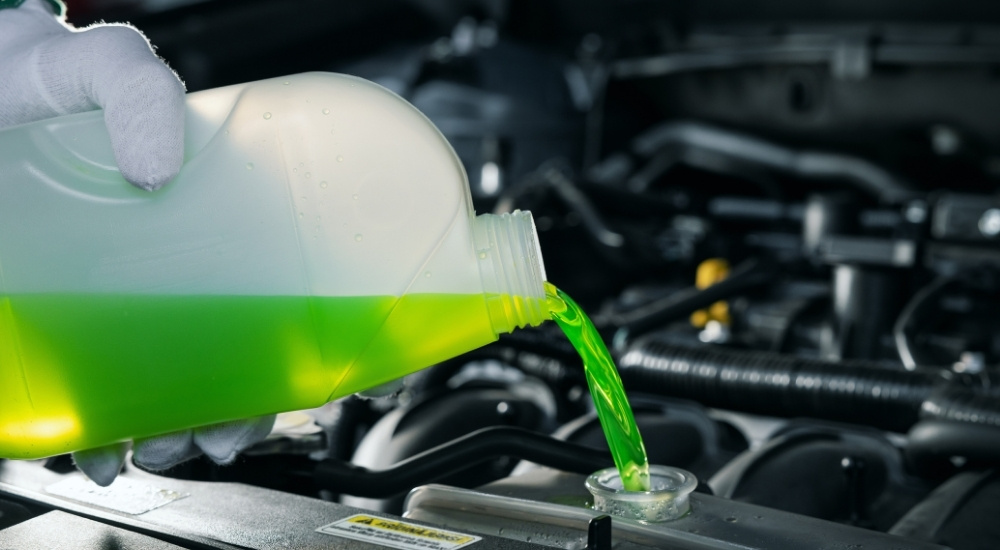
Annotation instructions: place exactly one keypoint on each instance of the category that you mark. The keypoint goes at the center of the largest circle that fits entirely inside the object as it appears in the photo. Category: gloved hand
(388, 389)
(220, 442)
(49, 69)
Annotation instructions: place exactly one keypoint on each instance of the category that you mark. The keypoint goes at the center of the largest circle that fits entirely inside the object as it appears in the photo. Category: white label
(124, 495)
(397, 534)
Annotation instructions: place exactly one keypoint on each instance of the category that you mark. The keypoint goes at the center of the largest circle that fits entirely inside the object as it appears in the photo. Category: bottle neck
(511, 269)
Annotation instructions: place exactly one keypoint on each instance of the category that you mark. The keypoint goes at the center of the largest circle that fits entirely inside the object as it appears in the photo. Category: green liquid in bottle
(606, 389)
(80, 371)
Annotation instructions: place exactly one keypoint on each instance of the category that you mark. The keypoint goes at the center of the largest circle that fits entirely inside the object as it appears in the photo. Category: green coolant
(81, 371)
(606, 389)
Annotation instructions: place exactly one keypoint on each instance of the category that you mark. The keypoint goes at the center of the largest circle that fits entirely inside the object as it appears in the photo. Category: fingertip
(165, 451)
(115, 67)
(385, 390)
(103, 464)
(152, 177)
(224, 442)
(146, 124)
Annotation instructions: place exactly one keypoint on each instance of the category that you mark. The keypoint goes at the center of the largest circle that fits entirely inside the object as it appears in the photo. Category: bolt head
(989, 223)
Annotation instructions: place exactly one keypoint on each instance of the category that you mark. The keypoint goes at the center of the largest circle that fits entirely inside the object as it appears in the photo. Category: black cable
(748, 275)
(463, 452)
(552, 175)
(912, 312)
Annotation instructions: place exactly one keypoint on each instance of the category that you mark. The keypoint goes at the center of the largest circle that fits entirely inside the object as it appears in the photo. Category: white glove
(49, 69)
(385, 390)
(220, 442)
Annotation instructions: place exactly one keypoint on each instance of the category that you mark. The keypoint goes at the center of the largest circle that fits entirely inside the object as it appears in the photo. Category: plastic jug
(318, 241)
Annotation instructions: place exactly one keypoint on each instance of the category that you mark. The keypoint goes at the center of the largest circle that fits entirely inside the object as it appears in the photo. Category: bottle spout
(511, 269)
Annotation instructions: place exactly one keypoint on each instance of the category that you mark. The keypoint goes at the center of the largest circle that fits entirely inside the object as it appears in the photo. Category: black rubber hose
(463, 452)
(973, 399)
(781, 385)
(934, 442)
(750, 274)
(732, 146)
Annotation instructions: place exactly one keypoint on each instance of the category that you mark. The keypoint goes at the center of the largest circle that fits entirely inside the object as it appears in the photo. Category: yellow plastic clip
(709, 272)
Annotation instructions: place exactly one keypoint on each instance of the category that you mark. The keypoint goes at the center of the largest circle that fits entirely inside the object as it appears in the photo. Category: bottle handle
(79, 159)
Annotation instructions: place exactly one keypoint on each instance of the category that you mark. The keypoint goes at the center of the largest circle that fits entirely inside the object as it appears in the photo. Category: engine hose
(445, 459)
(931, 443)
(781, 385)
(709, 142)
(960, 402)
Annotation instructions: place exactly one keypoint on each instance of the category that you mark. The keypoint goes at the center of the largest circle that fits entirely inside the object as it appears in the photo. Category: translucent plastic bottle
(319, 241)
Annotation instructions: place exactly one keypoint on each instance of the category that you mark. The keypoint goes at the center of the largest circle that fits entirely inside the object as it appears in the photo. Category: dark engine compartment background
(842, 158)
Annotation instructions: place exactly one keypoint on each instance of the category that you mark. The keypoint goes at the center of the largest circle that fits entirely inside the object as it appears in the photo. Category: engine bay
(783, 219)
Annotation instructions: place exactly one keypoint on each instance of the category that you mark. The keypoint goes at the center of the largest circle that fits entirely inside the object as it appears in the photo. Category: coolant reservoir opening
(666, 499)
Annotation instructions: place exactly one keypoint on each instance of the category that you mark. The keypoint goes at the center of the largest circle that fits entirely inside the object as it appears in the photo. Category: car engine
(783, 217)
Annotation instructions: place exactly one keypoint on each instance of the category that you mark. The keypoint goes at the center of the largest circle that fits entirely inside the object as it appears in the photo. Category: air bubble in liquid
(326, 111)
(267, 116)
(322, 185)
(249, 166)
(358, 237)
(340, 158)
